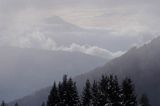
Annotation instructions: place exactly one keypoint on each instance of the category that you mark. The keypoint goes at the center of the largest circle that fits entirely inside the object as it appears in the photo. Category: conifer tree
(64, 95)
(3, 103)
(16, 104)
(114, 91)
(86, 94)
(60, 92)
(75, 95)
(43, 104)
(72, 94)
(110, 91)
(128, 92)
(53, 98)
(96, 94)
(64, 90)
(107, 92)
(144, 101)
(104, 91)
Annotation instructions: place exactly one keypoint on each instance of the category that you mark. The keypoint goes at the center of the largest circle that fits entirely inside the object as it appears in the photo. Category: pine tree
(64, 95)
(16, 104)
(86, 94)
(114, 91)
(128, 92)
(72, 94)
(3, 103)
(43, 104)
(53, 98)
(60, 92)
(104, 91)
(95, 94)
(75, 95)
(144, 101)
(64, 91)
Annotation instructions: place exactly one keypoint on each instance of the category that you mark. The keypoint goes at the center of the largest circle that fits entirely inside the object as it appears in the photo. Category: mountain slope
(141, 64)
(23, 71)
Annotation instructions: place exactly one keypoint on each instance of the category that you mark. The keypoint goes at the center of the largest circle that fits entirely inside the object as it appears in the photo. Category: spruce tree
(128, 93)
(104, 91)
(96, 94)
(86, 94)
(60, 92)
(64, 91)
(43, 104)
(72, 94)
(3, 103)
(144, 101)
(114, 91)
(53, 98)
(75, 95)
(69, 94)
(16, 104)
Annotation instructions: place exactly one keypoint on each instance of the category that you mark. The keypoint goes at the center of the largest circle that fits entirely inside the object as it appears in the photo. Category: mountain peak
(55, 20)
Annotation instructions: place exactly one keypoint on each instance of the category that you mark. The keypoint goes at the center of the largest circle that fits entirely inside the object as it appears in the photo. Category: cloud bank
(91, 50)
(39, 41)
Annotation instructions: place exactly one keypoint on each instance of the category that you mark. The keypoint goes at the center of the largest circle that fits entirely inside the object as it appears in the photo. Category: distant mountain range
(142, 64)
(23, 71)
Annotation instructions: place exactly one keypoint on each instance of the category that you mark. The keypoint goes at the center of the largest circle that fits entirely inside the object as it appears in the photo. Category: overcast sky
(102, 28)
(98, 26)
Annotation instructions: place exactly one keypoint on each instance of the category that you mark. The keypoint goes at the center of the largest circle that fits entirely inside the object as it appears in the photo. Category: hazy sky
(104, 28)
(109, 26)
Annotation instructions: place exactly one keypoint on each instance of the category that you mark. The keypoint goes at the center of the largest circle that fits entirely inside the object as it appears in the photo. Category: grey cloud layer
(103, 28)
(23, 24)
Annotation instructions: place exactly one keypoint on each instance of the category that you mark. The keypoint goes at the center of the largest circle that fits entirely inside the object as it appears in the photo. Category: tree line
(5, 104)
(108, 91)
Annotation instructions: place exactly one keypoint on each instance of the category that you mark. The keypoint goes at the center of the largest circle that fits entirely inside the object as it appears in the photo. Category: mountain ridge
(142, 64)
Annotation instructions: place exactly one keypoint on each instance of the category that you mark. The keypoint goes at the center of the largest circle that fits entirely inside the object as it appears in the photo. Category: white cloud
(91, 50)
(40, 41)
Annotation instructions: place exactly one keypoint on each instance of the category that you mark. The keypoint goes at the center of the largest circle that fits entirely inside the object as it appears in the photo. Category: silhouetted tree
(114, 91)
(64, 88)
(3, 103)
(53, 98)
(110, 91)
(128, 93)
(86, 94)
(60, 92)
(43, 104)
(144, 101)
(106, 92)
(103, 86)
(95, 94)
(65, 94)
(72, 94)
(16, 104)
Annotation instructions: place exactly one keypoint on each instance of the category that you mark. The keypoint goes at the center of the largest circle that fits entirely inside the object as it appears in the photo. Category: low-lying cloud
(91, 50)
(39, 41)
